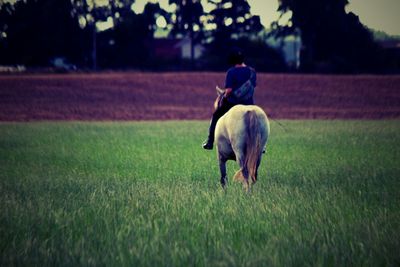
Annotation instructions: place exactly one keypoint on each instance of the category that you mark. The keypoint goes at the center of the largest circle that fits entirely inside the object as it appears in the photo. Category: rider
(236, 76)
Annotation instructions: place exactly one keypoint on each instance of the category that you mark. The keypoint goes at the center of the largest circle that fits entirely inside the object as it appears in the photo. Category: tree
(123, 44)
(132, 34)
(330, 35)
(188, 21)
(89, 13)
(35, 31)
(233, 20)
(232, 24)
(6, 11)
(150, 14)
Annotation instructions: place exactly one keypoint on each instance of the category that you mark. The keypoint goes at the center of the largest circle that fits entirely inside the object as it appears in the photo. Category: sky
(381, 15)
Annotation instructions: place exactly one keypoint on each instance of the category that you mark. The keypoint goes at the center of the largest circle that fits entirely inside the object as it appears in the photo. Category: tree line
(32, 32)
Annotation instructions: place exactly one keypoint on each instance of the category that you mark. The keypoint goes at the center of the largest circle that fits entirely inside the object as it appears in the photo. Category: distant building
(166, 48)
(176, 48)
(185, 47)
(291, 51)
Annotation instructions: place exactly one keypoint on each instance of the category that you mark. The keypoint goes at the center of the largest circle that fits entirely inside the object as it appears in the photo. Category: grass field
(146, 194)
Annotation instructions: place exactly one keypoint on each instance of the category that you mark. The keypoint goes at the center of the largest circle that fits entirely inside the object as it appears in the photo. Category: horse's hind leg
(246, 184)
(244, 171)
(256, 172)
(222, 168)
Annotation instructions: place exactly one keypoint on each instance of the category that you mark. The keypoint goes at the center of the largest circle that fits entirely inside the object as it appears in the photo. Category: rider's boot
(208, 144)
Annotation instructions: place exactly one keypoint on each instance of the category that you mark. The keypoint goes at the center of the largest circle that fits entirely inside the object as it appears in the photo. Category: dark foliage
(39, 30)
(256, 54)
(333, 40)
(32, 32)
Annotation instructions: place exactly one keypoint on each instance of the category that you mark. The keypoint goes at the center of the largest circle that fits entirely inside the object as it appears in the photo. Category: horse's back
(236, 118)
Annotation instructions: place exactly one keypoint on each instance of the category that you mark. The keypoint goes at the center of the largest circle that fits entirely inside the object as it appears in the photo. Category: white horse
(242, 134)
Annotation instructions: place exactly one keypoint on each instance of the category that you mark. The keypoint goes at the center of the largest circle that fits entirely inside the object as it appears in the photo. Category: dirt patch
(167, 96)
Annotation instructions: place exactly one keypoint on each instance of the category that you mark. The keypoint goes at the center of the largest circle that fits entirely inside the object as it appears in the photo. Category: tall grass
(146, 194)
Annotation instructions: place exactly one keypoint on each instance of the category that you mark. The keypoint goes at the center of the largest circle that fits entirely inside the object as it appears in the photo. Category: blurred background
(322, 36)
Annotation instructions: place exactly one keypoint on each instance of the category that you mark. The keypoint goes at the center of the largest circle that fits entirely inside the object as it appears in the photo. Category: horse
(241, 135)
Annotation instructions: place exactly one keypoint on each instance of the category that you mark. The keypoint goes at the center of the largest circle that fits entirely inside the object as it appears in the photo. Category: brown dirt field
(190, 95)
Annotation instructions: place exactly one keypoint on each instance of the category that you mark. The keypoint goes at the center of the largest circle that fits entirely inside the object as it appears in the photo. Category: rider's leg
(219, 112)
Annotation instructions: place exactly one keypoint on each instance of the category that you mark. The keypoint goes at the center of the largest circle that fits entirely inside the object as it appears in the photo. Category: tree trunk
(94, 47)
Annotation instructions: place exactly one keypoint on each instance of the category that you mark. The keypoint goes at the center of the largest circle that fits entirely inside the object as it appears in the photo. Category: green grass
(146, 194)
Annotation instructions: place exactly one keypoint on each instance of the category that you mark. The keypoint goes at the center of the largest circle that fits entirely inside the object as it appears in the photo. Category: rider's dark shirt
(235, 77)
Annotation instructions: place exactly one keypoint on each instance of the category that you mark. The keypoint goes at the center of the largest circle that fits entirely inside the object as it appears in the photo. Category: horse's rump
(246, 130)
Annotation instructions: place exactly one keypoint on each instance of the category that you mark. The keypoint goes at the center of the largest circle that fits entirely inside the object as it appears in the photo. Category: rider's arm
(228, 82)
(228, 91)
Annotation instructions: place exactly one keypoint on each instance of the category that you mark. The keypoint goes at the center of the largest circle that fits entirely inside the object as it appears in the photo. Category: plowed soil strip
(174, 96)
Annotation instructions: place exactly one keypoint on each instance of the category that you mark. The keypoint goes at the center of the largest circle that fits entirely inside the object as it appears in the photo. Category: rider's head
(236, 56)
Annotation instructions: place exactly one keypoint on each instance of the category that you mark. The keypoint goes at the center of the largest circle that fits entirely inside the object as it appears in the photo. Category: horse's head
(220, 97)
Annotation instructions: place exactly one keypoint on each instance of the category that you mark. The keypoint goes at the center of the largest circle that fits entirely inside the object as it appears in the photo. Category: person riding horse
(240, 83)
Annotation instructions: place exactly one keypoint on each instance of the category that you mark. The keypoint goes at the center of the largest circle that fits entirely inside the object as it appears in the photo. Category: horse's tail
(253, 144)
(253, 147)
